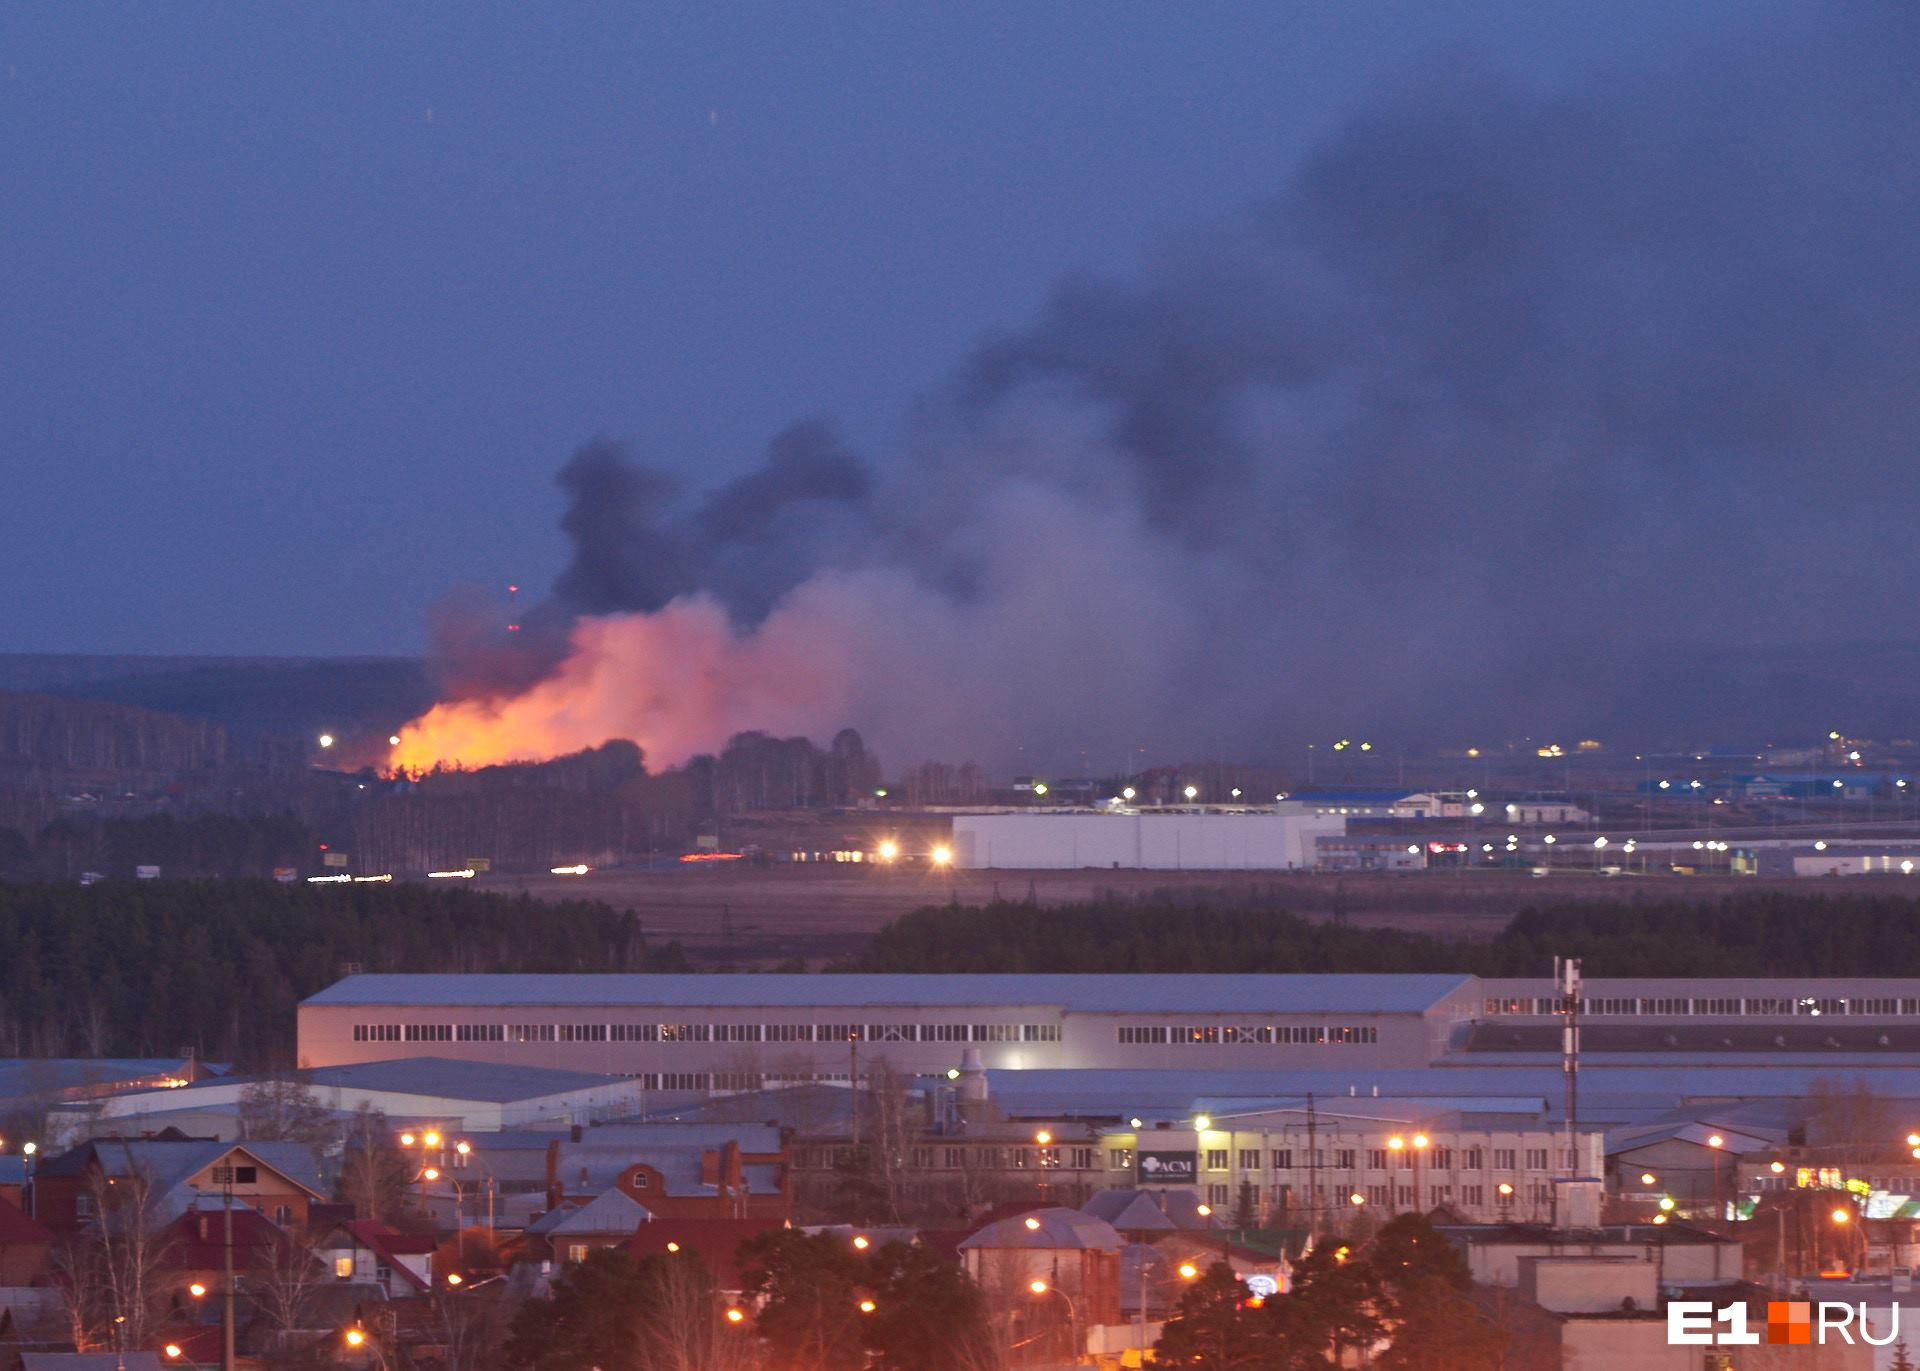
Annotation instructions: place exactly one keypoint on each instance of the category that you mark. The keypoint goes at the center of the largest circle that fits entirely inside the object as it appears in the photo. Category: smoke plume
(1500, 393)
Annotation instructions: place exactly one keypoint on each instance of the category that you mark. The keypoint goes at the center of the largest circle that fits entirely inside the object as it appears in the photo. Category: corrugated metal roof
(1116, 994)
(1047, 1230)
(1639, 1092)
(615, 1211)
(453, 1079)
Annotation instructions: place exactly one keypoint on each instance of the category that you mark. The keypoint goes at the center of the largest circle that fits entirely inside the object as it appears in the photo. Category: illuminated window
(343, 1268)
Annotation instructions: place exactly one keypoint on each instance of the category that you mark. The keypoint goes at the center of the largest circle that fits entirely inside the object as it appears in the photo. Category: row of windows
(734, 1082)
(970, 1157)
(1284, 1034)
(1437, 1159)
(701, 1033)
(1682, 1006)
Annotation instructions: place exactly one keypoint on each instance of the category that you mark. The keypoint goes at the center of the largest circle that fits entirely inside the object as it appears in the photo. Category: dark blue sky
(301, 307)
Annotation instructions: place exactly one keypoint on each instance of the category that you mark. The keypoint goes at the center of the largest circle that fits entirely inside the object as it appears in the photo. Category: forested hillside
(153, 968)
(1764, 934)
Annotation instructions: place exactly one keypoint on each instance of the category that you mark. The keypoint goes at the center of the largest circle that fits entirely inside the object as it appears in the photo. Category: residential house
(688, 1171)
(366, 1251)
(574, 1229)
(276, 1179)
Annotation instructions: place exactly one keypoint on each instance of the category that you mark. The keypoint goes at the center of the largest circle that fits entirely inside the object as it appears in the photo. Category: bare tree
(112, 1268)
(686, 1328)
(283, 1277)
(279, 1108)
(891, 1126)
(474, 1325)
(374, 1174)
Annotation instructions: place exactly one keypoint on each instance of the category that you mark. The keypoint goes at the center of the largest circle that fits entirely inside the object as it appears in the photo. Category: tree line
(155, 968)
(1766, 933)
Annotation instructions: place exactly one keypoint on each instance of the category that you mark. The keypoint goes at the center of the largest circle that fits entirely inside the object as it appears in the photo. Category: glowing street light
(1356, 1199)
(736, 1314)
(326, 740)
(1648, 1178)
(1043, 1137)
(942, 856)
(1037, 1286)
(889, 849)
(1202, 1122)
(1188, 1271)
(1205, 1211)
(1127, 793)
(1040, 788)
(1192, 792)
(861, 1243)
(1033, 1225)
(868, 1306)
(355, 1337)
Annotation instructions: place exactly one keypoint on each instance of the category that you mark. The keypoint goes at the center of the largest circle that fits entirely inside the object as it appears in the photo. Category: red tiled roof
(17, 1227)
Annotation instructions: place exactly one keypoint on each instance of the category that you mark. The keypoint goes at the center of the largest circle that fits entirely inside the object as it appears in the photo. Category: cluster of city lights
(888, 850)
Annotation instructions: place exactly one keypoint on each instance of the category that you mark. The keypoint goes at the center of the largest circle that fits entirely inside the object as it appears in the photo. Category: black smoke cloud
(1509, 411)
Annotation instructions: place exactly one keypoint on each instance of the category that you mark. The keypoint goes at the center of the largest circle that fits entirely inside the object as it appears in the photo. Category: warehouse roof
(1200, 994)
(452, 1079)
(1639, 1092)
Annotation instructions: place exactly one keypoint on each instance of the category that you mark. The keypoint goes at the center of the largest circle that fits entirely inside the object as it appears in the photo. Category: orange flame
(677, 682)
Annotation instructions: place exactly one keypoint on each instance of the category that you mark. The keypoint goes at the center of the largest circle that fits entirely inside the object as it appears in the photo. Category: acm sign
(1169, 1168)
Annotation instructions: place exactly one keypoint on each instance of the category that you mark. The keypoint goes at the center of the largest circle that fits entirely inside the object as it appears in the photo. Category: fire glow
(677, 682)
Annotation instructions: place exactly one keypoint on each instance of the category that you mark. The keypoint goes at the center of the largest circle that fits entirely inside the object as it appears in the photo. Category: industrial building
(693, 1034)
(1273, 838)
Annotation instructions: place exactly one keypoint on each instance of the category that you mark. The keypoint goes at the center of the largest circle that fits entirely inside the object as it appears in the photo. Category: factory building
(705, 1034)
(1277, 838)
(698, 1035)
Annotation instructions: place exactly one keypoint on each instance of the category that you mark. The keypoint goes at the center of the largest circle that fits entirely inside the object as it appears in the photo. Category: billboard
(1169, 1168)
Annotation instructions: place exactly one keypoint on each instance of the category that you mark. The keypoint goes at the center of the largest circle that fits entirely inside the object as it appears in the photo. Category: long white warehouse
(1249, 840)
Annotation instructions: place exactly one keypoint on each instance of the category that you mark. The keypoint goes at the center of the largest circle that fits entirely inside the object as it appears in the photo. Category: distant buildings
(1265, 839)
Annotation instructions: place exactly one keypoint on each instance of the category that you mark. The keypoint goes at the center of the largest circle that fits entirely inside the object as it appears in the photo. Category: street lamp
(1716, 1142)
(1192, 793)
(357, 1338)
(1040, 1289)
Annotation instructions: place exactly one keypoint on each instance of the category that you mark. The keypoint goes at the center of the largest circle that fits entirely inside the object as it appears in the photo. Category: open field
(825, 911)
